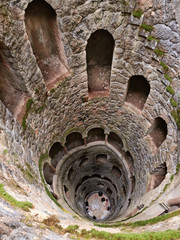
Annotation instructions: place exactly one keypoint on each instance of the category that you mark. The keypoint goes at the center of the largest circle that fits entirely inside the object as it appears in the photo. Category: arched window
(158, 131)
(74, 140)
(99, 53)
(96, 134)
(56, 153)
(44, 36)
(138, 91)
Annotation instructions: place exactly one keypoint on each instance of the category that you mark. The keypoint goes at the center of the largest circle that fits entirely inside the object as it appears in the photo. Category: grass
(146, 27)
(159, 52)
(170, 90)
(177, 168)
(168, 77)
(167, 235)
(164, 66)
(138, 13)
(173, 102)
(28, 107)
(151, 38)
(24, 205)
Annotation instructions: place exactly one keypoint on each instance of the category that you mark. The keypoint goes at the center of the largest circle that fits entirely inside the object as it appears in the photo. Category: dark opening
(159, 131)
(70, 174)
(116, 172)
(10, 94)
(95, 134)
(83, 162)
(74, 140)
(43, 33)
(157, 176)
(101, 159)
(56, 153)
(138, 91)
(115, 141)
(99, 53)
(48, 173)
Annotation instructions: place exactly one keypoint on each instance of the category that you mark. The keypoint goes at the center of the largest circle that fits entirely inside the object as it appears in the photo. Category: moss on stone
(168, 77)
(176, 115)
(151, 38)
(170, 90)
(159, 52)
(138, 13)
(24, 205)
(164, 66)
(146, 27)
(173, 102)
(28, 107)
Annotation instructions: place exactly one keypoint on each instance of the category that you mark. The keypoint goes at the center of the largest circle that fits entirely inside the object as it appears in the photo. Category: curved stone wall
(135, 119)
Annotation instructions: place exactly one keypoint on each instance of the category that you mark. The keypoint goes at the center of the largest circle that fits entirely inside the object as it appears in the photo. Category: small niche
(48, 173)
(138, 91)
(74, 140)
(157, 176)
(115, 170)
(158, 131)
(70, 174)
(115, 141)
(95, 134)
(44, 36)
(56, 153)
(101, 159)
(99, 53)
(10, 92)
(83, 162)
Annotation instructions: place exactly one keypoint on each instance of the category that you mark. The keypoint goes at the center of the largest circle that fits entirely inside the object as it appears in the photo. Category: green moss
(71, 228)
(170, 90)
(164, 66)
(168, 77)
(151, 38)
(176, 115)
(28, 173)
(159, 52)
(28, 107)
(138, 13)
(173, 102)
(165, 187)
(177, 168)
(146, 27)
(5, 151)
(52, 90)
(24, 205)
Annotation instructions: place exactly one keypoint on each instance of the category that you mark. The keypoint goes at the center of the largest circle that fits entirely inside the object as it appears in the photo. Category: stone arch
(96, 134)
(56, 152)
(74, 140)
(138, 91)
(44, 36)
(158, 131)
(99, 54)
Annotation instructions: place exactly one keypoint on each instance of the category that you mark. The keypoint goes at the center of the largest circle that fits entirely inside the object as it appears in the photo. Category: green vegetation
(159, 52)
(138, 13)
(173, 102)
(168, 77)
(151, 38)
(28, 107)
(71, 228)
(28, 173)
(24, 205)
(177, 168)
(176, 115)
(170, 90)
(164, 66)
(51, 221)
(146, 27)
(5, 151)
(52, 90)
(165, 187)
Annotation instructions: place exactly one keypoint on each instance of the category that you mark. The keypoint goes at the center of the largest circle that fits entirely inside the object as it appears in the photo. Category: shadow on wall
(10, 92)
(99, 53)
(44, 36)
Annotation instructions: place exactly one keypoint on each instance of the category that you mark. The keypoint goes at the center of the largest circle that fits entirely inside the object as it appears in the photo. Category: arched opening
(74, 140)
(44, 36)
(158, 131)
(56, 153)
(10, 93)
(115, 141)
(48, 172)
(138, 91)
(99, 53)
(157, 176)
(95, 134)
